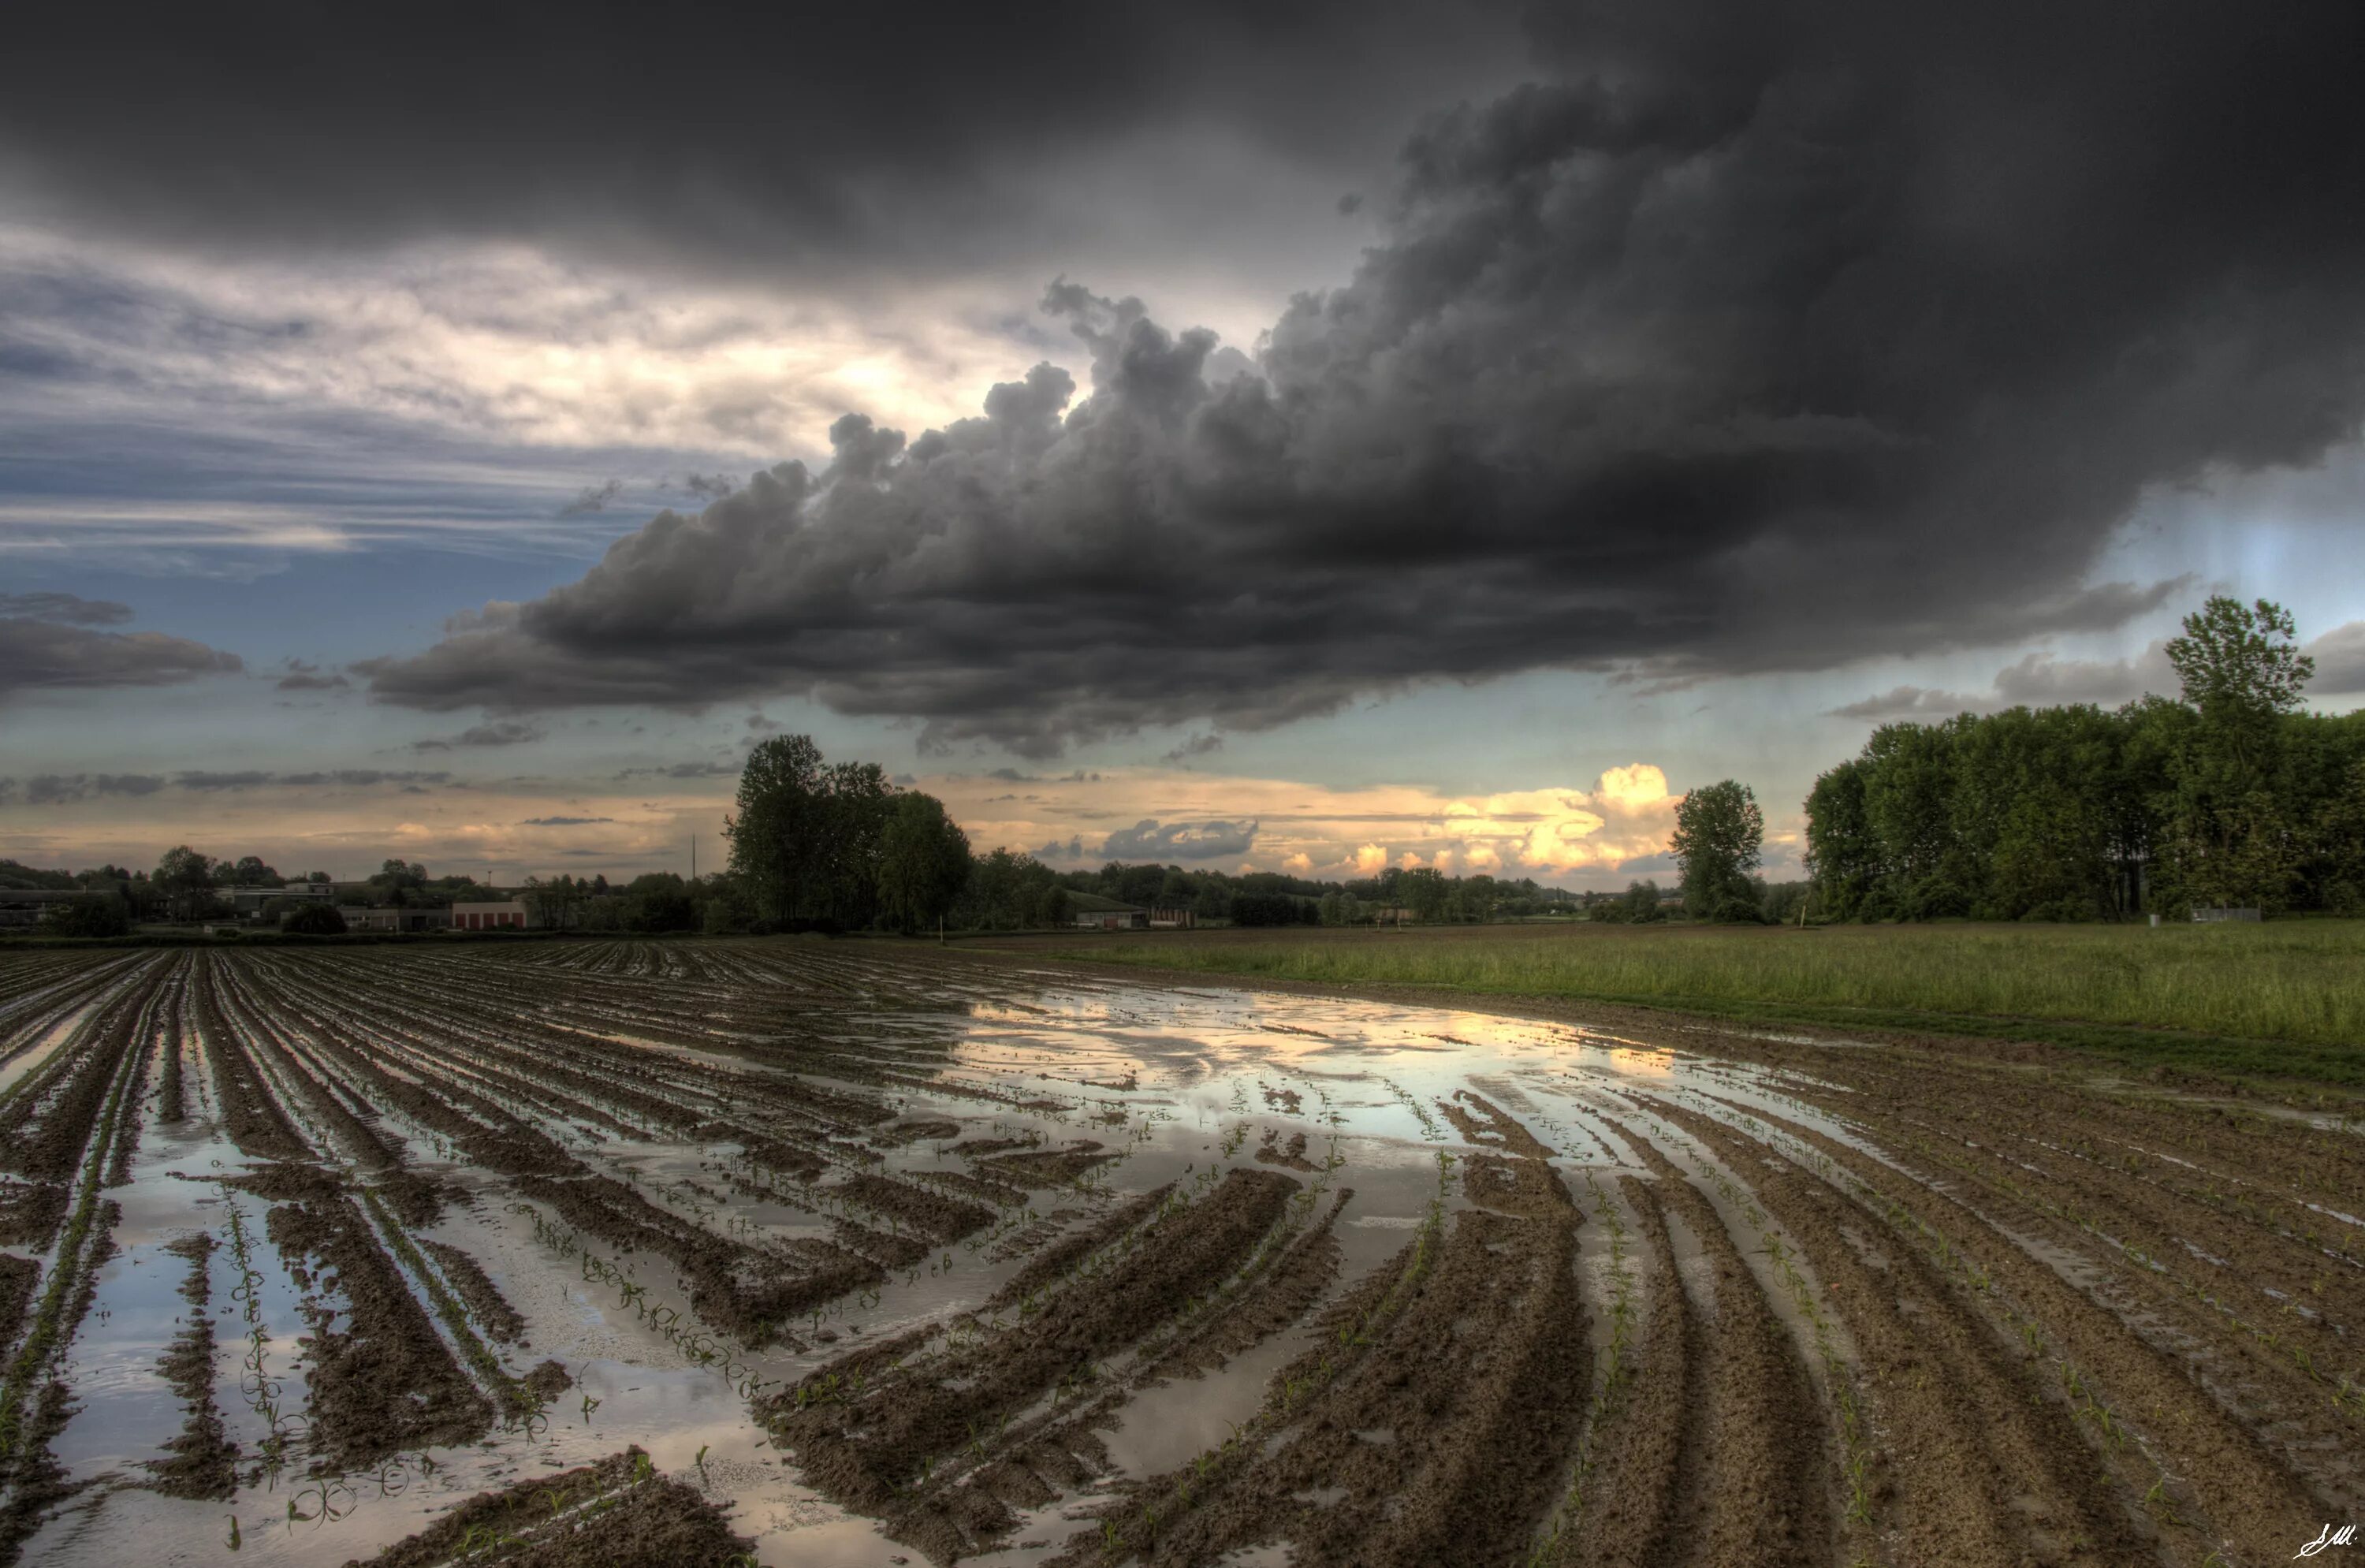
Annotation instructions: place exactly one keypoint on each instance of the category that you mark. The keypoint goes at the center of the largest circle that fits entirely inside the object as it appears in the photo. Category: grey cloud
(1194, 748)
(303, 677)
(1149, 840)
(2340, 657)
(49, 655)
(2042, 680)
(63, 789)
(213, 782)
(564, 821)
(593, 500)
(684, 770)
(1919, 702)
(1763, 348)
(500, 732)
(709, 487)
(60, 789)
(2039, 680)
(363, 778)
(1074, 849)
(68, 609)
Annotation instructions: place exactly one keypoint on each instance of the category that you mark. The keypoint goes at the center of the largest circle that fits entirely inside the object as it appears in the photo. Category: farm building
(1171, 917)
(411, 918)
(509, 913)
(1093, 912)
(248, 901)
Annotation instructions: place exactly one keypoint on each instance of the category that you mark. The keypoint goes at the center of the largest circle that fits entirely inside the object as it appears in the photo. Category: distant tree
(317, 877)
(314, 919)
(1424, 892)
(924, 864)
(185, 880)
(726, 913)
(1718, 835)
(660, 902)
(251, 872)
(398, 883)
(1641, 903)
(98, 915)
(1054, 906)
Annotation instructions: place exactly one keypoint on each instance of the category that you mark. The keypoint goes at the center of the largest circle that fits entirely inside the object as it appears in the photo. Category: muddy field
(846, 1253)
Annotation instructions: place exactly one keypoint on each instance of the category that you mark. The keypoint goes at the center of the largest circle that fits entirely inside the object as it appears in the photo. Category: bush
(314, 920)
(101, 914)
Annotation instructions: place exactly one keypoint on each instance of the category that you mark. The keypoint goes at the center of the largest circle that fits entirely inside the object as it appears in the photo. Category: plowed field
(798, 1251)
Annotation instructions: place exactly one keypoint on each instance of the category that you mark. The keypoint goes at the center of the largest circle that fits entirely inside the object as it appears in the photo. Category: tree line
(2228, 795)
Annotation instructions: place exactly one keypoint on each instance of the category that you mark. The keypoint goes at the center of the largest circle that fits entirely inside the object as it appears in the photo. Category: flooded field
(848, 1253)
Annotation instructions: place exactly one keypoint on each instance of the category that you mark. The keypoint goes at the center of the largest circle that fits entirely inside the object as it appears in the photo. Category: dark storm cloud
(1149, 840)
(1748, 341)
(564, 821)
(70, 610)
(48, 654)
(1193, 749)
(851, 139)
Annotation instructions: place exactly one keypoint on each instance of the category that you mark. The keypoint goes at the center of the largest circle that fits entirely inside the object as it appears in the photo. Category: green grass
(2283, 999)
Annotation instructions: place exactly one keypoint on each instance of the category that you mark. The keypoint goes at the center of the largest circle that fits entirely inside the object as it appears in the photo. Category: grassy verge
(2277, 999)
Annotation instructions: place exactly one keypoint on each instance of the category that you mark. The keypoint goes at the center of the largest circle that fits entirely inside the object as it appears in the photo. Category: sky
(1298, 436)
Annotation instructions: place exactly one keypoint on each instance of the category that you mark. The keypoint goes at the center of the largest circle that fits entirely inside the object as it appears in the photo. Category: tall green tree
(1718, 839)
(924, 863)
(2230, 838)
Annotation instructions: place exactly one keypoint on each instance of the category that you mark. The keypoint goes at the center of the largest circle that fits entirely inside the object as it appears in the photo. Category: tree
(2228, 838)
(100, 915)
(1424, 892)
(924, 862)
(186, 879)
(805, 842)
(314, 920)
(251, 872)
(660, 901)
(397, 882)
(1718, 835)
(2240, 666)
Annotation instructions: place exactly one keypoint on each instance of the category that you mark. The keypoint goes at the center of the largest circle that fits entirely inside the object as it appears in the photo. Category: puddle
(1170, 1082)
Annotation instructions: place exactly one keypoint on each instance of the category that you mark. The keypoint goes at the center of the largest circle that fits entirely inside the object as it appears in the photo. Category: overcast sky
(1309, 436)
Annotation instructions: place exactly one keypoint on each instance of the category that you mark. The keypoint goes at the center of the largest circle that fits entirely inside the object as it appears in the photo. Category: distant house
(1093, 913)
(24, 906)
(1171, 917)
(409, 918)
(507, 915)
(248, 901)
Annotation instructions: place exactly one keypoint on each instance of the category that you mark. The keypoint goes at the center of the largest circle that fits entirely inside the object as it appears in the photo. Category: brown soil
(487, 1306)
(874, 1443)
(205, 1461)
(381, 1381)
(616, 1514)
(1429, 1423)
